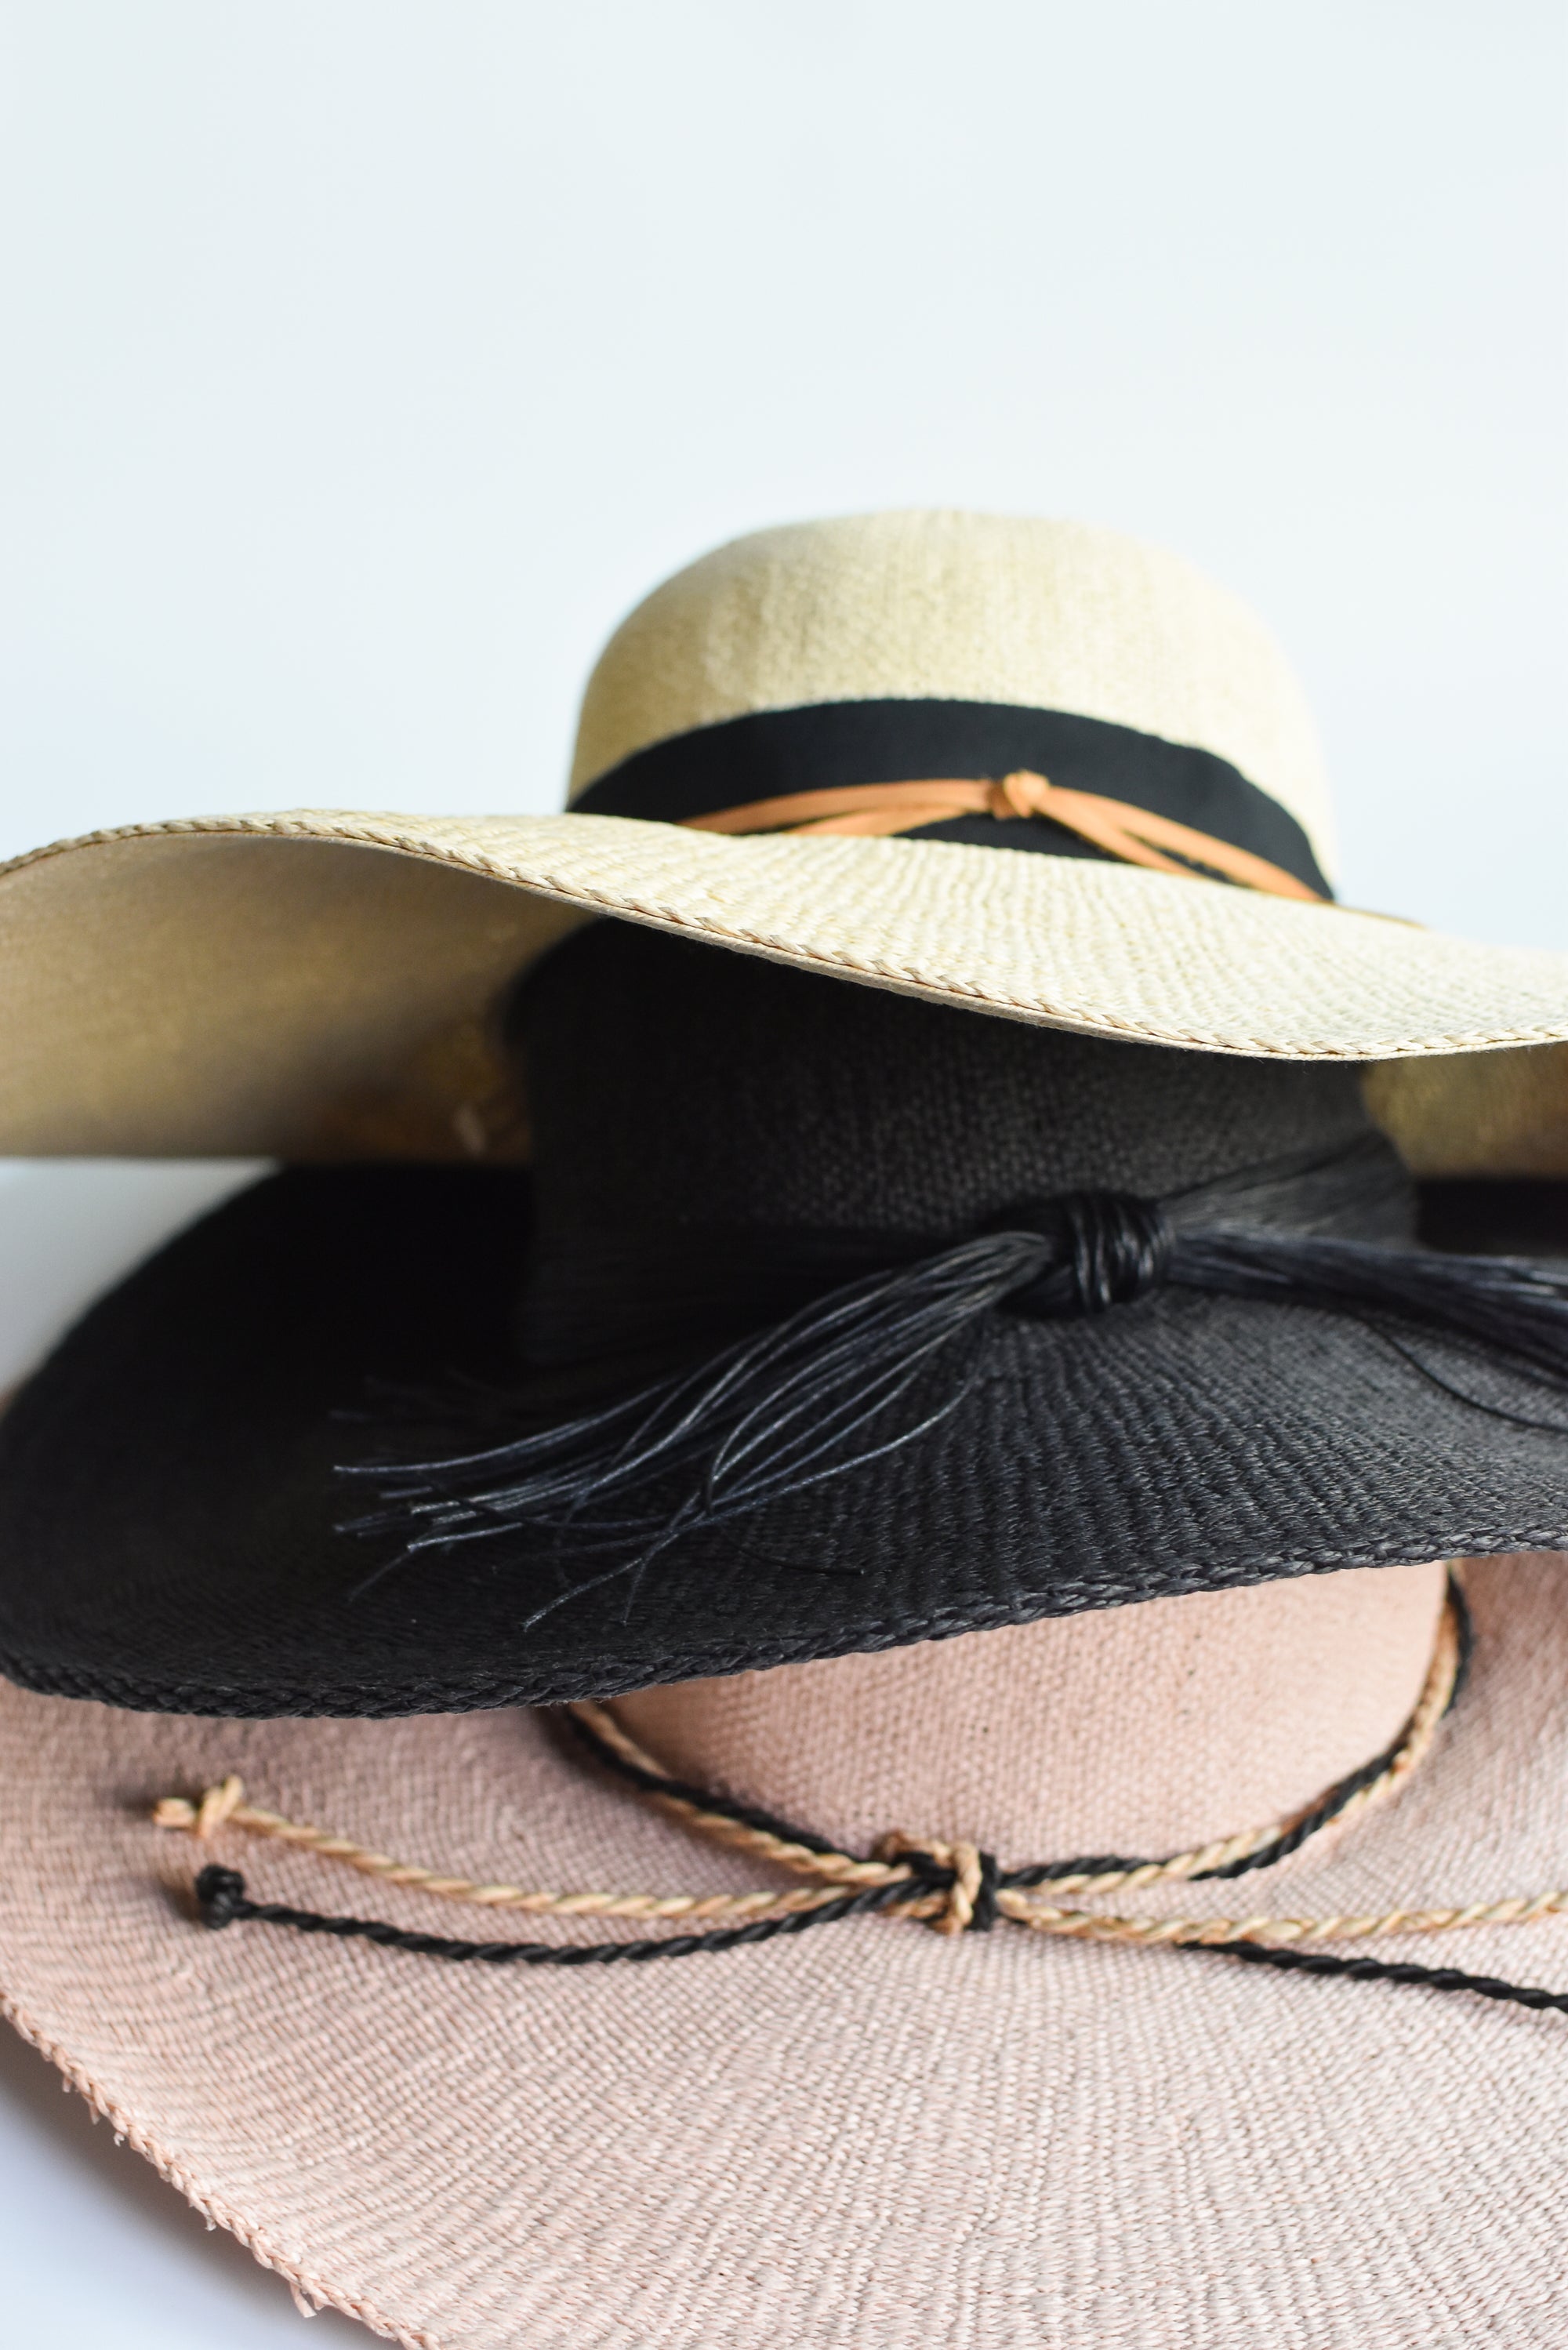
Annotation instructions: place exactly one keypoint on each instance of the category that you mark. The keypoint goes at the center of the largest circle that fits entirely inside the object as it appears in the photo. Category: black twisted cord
(1395, 1970)
(222, 1899)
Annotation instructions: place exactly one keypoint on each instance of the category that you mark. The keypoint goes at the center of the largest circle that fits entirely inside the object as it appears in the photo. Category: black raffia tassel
(833, 1386)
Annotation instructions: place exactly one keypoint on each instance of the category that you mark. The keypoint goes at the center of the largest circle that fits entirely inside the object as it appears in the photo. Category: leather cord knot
(1119, 828)
(1116, 1248)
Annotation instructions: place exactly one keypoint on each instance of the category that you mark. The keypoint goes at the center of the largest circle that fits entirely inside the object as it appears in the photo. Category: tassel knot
(882, 1360)
(1117, 1248)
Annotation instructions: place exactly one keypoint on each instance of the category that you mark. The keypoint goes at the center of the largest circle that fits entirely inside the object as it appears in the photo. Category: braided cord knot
(967, 1876)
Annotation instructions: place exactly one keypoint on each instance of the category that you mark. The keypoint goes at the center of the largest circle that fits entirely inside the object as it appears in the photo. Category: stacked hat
(859, 1394)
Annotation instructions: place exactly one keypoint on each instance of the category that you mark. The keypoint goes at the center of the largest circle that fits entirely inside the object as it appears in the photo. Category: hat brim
(320, 984)
(872, 2136)
(171, 1501)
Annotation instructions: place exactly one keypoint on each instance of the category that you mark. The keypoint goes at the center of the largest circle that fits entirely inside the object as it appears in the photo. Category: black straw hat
(1050, 1323)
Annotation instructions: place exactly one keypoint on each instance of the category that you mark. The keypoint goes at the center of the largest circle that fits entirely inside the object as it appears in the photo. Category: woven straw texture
(318, 984)
(871, 2140)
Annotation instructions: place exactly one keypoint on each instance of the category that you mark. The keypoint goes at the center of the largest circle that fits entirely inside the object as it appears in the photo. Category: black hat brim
(171, 1498)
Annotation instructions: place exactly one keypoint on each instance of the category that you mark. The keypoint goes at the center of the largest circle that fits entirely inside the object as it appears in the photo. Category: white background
(362, 362)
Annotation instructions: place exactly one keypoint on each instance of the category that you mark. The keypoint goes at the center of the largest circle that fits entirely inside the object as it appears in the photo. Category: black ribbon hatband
(777, 754)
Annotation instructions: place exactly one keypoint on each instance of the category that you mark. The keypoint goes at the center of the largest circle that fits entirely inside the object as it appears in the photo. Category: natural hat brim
(172, 1510)
(872, 2136)
(320, 983)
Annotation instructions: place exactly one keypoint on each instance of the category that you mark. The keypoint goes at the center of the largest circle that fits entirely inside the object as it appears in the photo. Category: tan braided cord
(1093, 1926)
(225, 1805)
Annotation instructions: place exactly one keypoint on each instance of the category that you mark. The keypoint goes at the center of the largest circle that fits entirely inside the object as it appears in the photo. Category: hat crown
(669, 1087)
(1121, 1730)
(943, 605)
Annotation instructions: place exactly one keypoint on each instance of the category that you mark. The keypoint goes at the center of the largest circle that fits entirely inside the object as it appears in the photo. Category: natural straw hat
(319, 983)
(873, 2136)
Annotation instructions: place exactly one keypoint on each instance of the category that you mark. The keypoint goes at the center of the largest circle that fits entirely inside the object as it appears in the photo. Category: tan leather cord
(949, 1910)
(1132, 833)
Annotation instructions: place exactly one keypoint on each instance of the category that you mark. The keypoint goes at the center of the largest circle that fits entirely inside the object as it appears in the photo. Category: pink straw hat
(875, 2134)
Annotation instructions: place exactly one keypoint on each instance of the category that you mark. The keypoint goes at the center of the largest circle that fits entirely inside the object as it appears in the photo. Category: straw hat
(319, 983)
(822, 1323)
(357, 1442)
(873, 2136)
